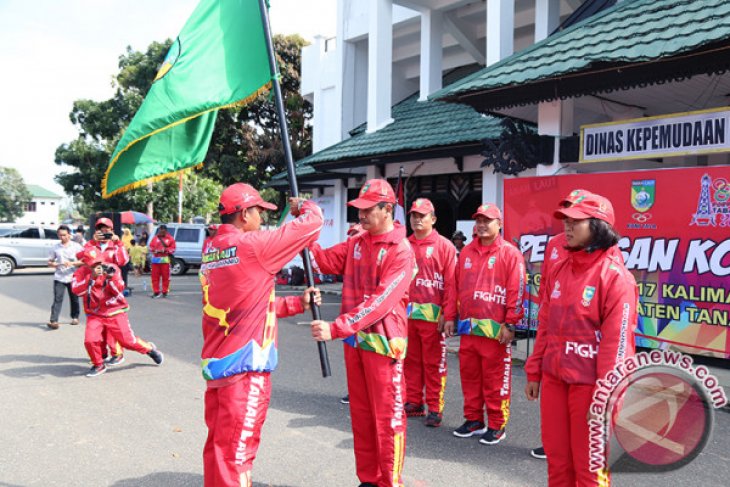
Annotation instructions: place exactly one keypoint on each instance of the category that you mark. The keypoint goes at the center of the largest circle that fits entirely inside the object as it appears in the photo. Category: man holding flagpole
(378, 265)
(240, 328)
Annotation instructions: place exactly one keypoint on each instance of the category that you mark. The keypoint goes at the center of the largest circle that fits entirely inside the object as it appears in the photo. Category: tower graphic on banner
(705, 215)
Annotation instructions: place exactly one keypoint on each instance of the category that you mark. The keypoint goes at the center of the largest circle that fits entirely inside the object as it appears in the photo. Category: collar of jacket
(392, 237)
(580, 260)
(430, 240)
(476, 244)
(227, 228)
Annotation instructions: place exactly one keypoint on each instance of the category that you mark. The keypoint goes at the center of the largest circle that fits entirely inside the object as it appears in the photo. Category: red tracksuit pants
(160, 271)
(485, 366)
(234, 415)
(376, 387)
(118, 327)
(425, 365)
(565, 433)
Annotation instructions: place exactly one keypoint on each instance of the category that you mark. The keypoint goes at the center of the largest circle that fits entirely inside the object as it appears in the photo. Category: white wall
(47, 211)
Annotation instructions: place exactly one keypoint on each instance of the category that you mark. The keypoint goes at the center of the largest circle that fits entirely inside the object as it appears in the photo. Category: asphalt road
(142, 425)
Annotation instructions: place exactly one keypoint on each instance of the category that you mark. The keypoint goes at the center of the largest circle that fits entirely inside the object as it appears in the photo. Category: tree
(245, 147)
(13, 194)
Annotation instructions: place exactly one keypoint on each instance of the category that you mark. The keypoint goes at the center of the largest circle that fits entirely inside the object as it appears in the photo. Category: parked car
(189, 238)
(24, 246)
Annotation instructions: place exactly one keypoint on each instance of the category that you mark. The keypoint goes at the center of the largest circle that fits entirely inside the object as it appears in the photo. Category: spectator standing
(63, 258)
(162, 247)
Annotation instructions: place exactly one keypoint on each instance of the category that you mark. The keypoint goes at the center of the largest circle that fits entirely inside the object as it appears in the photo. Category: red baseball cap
(374, 191)
(240, 196)
(105, 222)
(422, 206)
(90, 256)
(590, 206)
(489, 210)
(573, 197)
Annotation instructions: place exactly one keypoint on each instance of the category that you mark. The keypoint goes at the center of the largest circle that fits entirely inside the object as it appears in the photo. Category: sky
(53, 52)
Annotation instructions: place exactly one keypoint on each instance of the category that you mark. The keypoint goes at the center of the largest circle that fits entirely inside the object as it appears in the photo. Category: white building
(388, 50)
(42, 209)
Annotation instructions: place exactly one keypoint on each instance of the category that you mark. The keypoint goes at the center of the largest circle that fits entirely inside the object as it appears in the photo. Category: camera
(109, 270)
(107, 236)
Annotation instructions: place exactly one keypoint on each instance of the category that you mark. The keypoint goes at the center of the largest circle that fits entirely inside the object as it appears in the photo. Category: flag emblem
(588, 294)
(170, 59)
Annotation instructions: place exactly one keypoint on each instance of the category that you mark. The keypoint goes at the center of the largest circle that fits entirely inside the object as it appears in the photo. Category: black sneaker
(414, 410)
(470, 428)
(367, 484)
(115, 360)
(492, 437)
(538, 453)
(94, 370)
(156, 296)
(345, 399)
(164, 295)
(156, 355)
(433, 420)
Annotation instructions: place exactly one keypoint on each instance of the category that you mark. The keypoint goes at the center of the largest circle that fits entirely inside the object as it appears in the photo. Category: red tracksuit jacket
(240, 307)
(161, 253)
(377, 270)
(103, 295)
(115, 253)
(433, 292)
(588, 316)
(490, 282)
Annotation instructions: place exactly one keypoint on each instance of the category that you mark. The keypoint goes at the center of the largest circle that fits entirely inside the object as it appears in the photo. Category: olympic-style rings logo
(641, 217)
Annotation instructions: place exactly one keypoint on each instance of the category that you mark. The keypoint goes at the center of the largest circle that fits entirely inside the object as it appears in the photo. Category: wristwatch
(510, 327)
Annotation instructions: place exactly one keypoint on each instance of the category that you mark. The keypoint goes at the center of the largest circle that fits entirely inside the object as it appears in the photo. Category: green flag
(219, 60)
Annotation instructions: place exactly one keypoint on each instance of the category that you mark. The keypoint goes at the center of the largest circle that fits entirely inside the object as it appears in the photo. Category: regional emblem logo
(170, 59)
(556, 291)
(467, 263)
(429, 252)
(491, 261)
(643, 194)
(588, 294)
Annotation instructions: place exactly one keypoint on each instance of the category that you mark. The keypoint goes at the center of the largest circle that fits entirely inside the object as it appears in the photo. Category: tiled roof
(416, 125)
(40, 192)
(632, 31)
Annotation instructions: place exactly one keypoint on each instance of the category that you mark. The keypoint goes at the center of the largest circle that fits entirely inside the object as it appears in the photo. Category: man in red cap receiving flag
(490, 278)
(377, 267)
(432, 308)
(239, 325)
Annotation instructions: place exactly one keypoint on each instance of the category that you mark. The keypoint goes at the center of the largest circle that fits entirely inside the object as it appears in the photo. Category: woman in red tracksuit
(162, 246)
(101, 288)
(587, 322)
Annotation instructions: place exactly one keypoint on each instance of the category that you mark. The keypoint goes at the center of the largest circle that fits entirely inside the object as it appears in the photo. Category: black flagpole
(322, 347)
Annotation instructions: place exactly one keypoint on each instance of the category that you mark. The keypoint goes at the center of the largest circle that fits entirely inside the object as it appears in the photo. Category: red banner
(675, 228)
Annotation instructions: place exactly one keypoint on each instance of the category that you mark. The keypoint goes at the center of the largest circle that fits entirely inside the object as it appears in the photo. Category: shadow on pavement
(157, 479)
(41, 359)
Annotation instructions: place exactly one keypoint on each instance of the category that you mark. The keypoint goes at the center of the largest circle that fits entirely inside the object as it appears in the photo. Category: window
(188, 235)
(50, 234)
(53, 203)
(43, 202)
(30, 207)
(23, 233)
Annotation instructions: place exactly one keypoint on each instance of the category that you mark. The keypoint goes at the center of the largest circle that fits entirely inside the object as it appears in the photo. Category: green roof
(416, 125)
(40, 192)
(631, 31)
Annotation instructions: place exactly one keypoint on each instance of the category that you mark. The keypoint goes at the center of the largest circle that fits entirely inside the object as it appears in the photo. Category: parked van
(189, 238)
(24, 246)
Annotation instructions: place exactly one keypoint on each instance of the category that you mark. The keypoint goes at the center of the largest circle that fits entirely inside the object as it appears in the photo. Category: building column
(554, 118)
(500, 29)
(340, 210)
(492, 185)
(380, 63)
(432, 28)
(547, 18)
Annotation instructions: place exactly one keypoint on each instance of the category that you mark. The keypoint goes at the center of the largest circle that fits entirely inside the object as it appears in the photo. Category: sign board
(675, 228)
(701, 132)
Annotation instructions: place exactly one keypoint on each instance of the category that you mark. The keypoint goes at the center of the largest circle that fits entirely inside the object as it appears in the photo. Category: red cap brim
(362, 204)
(571, 212)
(266, 205)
